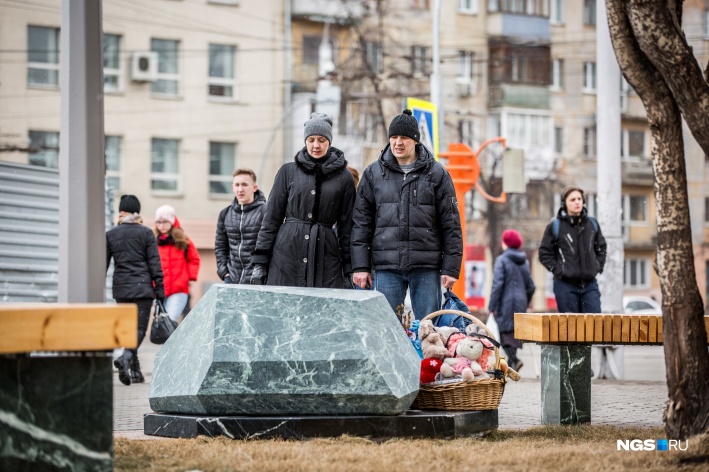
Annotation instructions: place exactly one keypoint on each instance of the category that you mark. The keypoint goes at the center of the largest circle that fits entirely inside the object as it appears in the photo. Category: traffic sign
(427, 116)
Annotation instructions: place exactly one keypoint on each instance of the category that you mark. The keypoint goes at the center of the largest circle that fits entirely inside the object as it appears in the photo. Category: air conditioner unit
(464, 88)
(144, 67)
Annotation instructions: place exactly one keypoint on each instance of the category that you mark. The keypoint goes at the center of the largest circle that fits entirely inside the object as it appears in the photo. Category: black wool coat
(237, 230)
(404, 223)
(305, 235)
(136, 262)
(512, 288)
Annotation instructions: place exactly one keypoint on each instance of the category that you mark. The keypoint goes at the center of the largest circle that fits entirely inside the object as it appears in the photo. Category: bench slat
(617, 324)
(31, 327)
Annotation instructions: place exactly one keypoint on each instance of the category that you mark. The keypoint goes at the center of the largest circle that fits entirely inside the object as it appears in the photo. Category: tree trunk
(684, 335)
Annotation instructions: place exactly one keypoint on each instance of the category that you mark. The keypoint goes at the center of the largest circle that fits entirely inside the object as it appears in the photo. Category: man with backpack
(574, 250)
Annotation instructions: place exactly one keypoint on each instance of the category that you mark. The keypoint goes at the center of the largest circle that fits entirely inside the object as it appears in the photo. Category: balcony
(321, 11)
(637, 171)
(519, 96)
(518, 26)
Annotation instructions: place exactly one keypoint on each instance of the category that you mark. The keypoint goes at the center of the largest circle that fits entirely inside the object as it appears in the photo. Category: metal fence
(29, 232)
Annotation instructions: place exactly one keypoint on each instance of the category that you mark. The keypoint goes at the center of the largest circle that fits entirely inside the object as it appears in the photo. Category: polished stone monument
(566, 384)
(273, 351)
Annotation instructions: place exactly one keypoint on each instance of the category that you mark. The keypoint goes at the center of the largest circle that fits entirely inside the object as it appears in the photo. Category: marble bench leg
(56, 412)
(566, 384)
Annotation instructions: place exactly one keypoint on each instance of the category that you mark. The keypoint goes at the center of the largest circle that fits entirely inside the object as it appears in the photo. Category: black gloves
(259, 275)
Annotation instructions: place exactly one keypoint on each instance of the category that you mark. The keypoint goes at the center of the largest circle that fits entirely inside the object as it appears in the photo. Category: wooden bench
(56, 383)
(566, 340)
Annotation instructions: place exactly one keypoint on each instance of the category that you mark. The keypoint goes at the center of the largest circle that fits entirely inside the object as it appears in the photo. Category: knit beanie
(319, 124)
(165, 212)
(567, 190)
(512, 239)
(405, 125)
(129, 204)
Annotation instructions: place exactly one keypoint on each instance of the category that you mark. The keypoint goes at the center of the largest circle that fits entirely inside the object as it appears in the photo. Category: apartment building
(193, 89)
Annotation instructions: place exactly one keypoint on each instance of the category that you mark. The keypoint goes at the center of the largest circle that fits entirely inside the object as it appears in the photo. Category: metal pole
(287, 100)
(436, 72)
(609, 173)
(82, 243)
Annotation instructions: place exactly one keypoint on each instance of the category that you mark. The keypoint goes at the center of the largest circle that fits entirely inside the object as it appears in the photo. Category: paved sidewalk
(613, 402)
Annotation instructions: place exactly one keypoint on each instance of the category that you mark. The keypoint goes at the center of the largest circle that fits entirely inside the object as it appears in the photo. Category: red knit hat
(512, 239)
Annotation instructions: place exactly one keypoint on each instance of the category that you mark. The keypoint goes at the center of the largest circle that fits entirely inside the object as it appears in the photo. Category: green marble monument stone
(273, 351)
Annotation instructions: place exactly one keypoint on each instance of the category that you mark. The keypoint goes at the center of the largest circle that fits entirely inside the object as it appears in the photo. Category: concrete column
(609, 170)
(82, 246)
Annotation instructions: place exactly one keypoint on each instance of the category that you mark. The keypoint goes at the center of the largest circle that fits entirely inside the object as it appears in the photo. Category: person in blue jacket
(512, 291)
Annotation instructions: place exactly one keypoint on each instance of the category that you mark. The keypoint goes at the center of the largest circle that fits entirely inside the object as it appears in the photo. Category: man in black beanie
(129, 204)
(408, 200)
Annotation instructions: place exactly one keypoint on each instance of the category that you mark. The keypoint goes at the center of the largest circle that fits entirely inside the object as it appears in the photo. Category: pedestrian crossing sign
(427, 117)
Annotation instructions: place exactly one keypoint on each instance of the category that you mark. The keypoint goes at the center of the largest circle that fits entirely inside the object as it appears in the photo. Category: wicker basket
(473, 395)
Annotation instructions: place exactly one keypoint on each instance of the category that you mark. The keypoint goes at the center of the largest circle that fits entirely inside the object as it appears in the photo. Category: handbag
(452, 302)
(163, 326)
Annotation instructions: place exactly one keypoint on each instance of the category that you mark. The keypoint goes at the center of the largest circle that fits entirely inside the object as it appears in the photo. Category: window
(557, 73)
(375, 57)
(632, 143)
(589, 142)
(222, 162)
(525, 131)
(467, 131)
(469, 7)
(113, 161)
(589, 77)
(636, 273)
(168, 81)
(634, 209)
(165, 166)
(311, 49)
(466, 66)
(558, 140)
(44, 149)
(419, 61)
(557, 12)
(222, 67)
(589, 12)
(706, 36)
(591, 204)
(112, 75)
(42, 57)
(517, 63)
(706, 209)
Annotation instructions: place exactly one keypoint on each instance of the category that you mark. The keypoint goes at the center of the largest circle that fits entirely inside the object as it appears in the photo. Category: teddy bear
(432, 344)
(430, 367)
(470, 361)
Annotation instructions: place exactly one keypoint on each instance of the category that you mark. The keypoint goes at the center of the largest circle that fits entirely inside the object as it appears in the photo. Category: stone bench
(56, 387)
(566, 340)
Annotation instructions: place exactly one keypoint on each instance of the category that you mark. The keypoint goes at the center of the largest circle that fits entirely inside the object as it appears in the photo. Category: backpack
(557, 221)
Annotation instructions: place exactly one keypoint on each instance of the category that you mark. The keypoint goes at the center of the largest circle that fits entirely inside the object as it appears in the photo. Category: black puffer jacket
(578, 254)
(305, 236)
(136, 262)
(237, 230)
(512, 288)
(406, 223)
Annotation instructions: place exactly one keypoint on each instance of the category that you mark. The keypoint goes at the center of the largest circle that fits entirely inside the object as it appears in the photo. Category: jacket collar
(424, 159)
(334, 161)
(259, 198)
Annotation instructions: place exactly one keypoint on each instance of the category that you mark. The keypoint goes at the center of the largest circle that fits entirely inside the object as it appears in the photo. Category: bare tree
(657, 61)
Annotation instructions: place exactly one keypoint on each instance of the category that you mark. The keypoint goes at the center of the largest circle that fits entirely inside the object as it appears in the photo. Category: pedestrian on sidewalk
(406, 223)
(574, 250)
(137, 276)
(179, 258)
(304, 240)
(237, 229)
(512, 291)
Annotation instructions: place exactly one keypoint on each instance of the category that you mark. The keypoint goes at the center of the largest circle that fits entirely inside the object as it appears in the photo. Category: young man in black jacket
(237, 229)
(574, 250)
(406, 225)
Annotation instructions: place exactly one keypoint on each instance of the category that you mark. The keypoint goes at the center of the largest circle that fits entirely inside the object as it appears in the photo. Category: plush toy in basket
(467, 370)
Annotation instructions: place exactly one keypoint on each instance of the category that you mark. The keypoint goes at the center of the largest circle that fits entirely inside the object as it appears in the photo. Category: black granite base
(566, 384)
(412, 424)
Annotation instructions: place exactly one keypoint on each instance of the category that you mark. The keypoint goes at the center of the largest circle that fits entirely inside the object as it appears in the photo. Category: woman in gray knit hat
(304, 239)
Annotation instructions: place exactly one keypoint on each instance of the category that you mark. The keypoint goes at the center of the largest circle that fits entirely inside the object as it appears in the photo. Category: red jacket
(178, 266)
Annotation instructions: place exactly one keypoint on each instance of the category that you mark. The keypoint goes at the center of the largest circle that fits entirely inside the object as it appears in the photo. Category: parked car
(641, 305)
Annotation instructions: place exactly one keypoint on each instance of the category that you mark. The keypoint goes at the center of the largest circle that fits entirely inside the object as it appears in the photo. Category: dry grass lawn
(556, 448)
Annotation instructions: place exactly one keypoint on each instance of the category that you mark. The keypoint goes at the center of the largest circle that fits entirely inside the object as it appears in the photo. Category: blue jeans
(175, 304)
(424, 286)
(572, 298)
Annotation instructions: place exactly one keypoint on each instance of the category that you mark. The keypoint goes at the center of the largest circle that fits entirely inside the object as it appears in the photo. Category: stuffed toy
(470, 352)
(446, 332)
(432, 344)
(429, 369)
(508, 371)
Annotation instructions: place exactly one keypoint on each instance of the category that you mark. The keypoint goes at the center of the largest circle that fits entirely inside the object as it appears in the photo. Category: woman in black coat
(512, 291)
(137, 276)
(304, 239)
